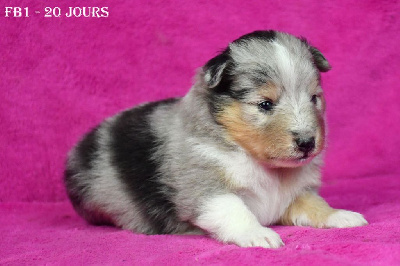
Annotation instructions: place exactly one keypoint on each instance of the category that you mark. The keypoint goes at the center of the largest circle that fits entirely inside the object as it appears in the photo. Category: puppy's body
(239, 152)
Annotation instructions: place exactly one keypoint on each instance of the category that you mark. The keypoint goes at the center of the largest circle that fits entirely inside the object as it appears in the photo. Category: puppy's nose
(305, 144)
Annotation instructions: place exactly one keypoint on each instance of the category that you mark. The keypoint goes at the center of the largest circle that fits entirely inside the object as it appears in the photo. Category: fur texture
(239, 152)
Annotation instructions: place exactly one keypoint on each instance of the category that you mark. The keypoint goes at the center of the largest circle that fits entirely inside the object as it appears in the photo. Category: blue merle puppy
(241, 151)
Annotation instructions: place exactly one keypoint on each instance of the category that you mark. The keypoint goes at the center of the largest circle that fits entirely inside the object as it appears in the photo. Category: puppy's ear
(319, 59)
(215, 71)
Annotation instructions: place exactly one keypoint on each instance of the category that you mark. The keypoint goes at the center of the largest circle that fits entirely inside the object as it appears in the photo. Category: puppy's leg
(228, 219)
(310, 209)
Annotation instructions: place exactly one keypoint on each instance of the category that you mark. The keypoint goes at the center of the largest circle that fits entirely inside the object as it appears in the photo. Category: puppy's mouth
(290, 162)
(305, 156)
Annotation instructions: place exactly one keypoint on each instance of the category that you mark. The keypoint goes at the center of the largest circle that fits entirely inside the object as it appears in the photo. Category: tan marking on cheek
(312, 206)
(262, 143)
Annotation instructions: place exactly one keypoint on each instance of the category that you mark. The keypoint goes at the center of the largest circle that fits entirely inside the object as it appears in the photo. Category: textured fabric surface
(41, 233)
(61, 76)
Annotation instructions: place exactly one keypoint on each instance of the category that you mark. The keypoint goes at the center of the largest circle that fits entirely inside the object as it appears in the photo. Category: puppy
(241, 151)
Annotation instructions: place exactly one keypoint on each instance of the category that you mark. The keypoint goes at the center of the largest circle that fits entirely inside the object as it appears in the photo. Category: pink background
(61, 76)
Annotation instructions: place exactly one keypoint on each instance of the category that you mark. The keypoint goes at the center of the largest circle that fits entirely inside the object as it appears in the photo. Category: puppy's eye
(314, 99)
(266, 105)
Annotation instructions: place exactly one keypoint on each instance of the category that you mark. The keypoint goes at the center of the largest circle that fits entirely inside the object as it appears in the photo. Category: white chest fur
(266, 192)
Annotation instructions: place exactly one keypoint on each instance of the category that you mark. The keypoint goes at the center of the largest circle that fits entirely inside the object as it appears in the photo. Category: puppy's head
(265, 91)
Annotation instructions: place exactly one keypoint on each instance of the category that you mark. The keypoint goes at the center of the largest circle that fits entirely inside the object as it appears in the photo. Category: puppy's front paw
(259, 237)
(343, 218)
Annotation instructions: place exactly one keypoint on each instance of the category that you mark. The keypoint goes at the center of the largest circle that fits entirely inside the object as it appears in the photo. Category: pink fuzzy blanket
(52, 233)
(60, 76)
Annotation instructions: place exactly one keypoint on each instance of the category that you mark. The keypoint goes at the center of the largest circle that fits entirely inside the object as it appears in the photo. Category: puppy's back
(112, 175)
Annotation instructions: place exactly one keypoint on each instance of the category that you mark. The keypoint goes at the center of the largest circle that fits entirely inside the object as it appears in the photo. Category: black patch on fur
(133, 154)
(87, 149)
(265, 35)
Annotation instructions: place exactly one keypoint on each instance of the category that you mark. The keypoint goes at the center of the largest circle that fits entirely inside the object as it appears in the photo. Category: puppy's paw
(259, 237)
(343, 218)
